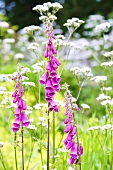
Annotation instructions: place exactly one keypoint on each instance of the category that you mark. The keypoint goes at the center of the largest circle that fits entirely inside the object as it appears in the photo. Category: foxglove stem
(22, 148)
(53, 137)
(2, 160)
(16, 163)
(48, 139)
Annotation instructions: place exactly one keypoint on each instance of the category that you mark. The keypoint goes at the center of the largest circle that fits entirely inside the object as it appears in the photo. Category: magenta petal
(58, 78)
(54, 106)
(15, 99)
(69, 145)
(43, 79)
(72, 160)
(53, 73)
(15, 129)
(68, 128)
(48, 67)
(49, 84)
(21, 89)
(20, 103)
(25, 120)
(68, 120)
(15, 93)
(73, 132)
(50, 93)
(18, 111)
(81, 150)
(74, 150)
(24, 107)
(16, 122)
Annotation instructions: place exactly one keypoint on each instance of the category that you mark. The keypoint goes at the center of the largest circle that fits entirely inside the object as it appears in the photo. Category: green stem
(41, 145)
(53, 137)
(2, 160)
(16, 163)
(39, 90)
(30, 156)
(48, 139)
(22, 148)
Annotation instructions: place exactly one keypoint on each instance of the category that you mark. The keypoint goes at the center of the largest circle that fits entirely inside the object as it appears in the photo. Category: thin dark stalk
(53, 137)
(2, 160)
(41, 145)
(16, 163)
(22, 149)
(48, 139)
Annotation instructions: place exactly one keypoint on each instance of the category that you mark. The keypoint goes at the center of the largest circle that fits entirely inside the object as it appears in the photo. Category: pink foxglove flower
(21, 118)
(50, 78)
(71, 130)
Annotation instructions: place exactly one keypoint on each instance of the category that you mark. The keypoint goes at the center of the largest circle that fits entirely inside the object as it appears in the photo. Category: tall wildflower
(21, 118)
(72, 141)
(50, 78)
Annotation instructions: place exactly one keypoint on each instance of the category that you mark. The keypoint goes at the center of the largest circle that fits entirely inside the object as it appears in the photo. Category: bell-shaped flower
(15, 93)
(68, 120)
(69, 144)
(53, 73)
(15, 129)
(25, 120)
(49, 66)
(68, 128)
(74, 150)
(53, 106)
(16, 122)
(50, 93)
(15, 99)
(44, 78)
(18, 111)
(73, 131)
(49, 84)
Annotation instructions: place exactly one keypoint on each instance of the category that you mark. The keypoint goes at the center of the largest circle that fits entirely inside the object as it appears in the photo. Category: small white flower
(1, 144)
(94, 128)
(103, 97)
(25, 70)
(19, 56)
(106, 88)
(32, 127)
(13, 105)
(10, 31)
(99, 79)
(9, 40)
(109, 54)
(52, 17)
(33, 46)
(107, 126)
(32, 28)
(42, 119)
(4, 24)
(109, 63)
(43, 18)
(24, 78)
(60, 37)
(29, 84)
(85, 106)
(56, 5)
(102, 27)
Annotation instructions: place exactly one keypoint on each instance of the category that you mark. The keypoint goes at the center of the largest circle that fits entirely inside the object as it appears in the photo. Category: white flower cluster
(109, 63)
(107, 102)
(103, 97)
(32, 127)
(33, 46)
(86, 71)
(74, 23)
(106, 88)
(44, 18)
(25, 70)
(4, 24)
(39, 106)
(9, 40)
(85, 106)
(19, 56)
(38, 67)
(48, 8)
(32, 28)
(105, 127)
(109, 54)
(99, 79)
(29, 84)
(103, 27)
